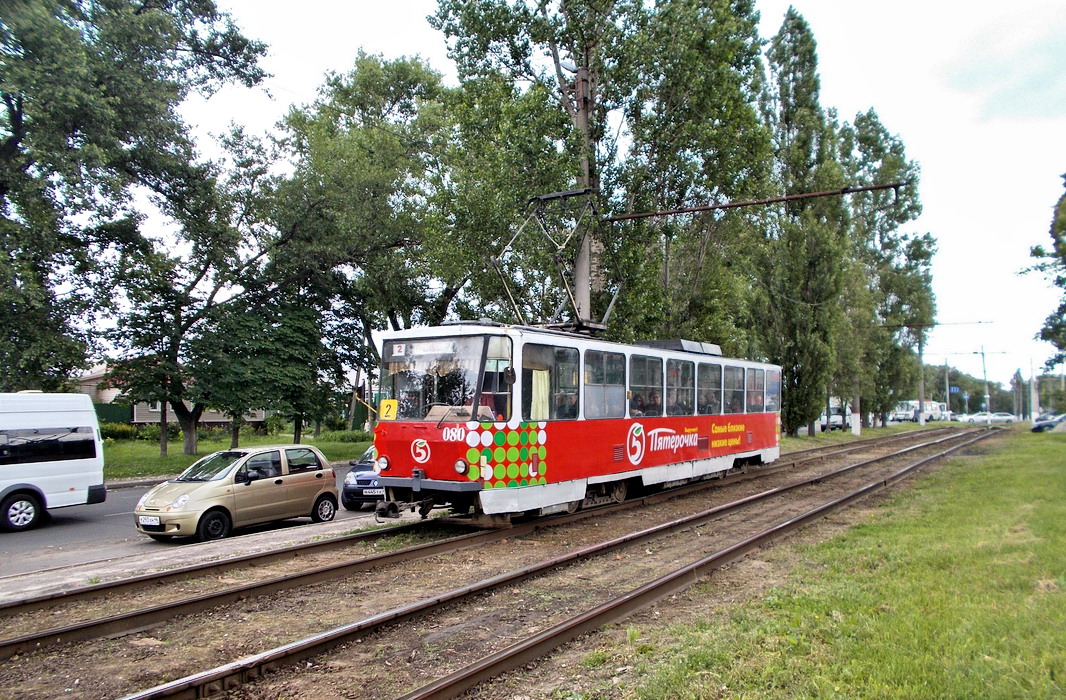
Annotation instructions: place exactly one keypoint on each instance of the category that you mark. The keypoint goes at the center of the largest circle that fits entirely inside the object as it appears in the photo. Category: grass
(125, 459)
(957, 589)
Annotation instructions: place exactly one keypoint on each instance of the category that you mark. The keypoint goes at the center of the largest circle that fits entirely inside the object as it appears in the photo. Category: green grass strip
(956, 589)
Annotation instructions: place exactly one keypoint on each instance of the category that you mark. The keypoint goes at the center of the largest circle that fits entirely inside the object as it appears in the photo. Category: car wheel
(352, 506)
(20, 511)
(213, 526)
(325, 509)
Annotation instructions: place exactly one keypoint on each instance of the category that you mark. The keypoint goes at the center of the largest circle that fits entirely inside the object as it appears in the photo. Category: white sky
(976, 91)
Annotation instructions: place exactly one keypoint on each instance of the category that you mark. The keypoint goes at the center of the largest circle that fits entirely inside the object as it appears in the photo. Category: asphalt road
(81, 534)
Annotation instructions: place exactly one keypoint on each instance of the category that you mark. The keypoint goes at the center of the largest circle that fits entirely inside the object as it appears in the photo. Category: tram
(496, 420)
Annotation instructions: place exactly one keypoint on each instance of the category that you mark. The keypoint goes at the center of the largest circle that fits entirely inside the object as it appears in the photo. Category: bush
(218, 434)
(118, 431)
(344, 436)
(275, 424)
(150, 432)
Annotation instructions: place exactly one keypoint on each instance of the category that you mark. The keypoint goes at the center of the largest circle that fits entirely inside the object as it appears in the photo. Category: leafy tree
(890, 300)
(88, 95)
(1053, 263)
(359, 194)
(805, 255)
(696, 137)
(681, 79)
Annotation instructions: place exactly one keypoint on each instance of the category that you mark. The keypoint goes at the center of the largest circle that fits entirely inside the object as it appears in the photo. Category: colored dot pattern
(505, 456)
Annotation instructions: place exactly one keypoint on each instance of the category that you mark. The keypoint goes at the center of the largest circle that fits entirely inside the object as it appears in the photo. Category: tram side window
(773, 390)
(734, 390)
(709, 391)
(756, 389)
(550, 381)
(645, 386)
(605, 384)
(680, 387)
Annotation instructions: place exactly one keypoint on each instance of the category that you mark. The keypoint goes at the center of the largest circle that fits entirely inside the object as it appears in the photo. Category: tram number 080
(453, 434)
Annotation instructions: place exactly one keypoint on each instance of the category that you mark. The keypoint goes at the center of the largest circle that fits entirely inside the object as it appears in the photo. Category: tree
(1053, 263)
(170, 288)
(88, 116)
(890, 303)
(669, 120)
(806, 252)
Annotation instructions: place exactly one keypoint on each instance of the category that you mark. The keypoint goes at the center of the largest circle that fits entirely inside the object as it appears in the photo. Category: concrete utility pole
(988, 397)
(583, 264)
(921, 383)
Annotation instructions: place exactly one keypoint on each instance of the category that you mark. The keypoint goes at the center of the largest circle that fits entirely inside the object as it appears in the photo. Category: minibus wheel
(20, 511)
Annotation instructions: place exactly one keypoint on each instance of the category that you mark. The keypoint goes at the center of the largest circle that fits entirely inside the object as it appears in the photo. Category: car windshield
(211, 467)
(367, 460)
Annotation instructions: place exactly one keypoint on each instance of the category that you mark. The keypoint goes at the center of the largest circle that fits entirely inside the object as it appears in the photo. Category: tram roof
(674, 344)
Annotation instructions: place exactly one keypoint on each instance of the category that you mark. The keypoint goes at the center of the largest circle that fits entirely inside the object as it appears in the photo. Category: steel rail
(122, 586)
(232, 675)
(148, 617)
(119, 586)
(645, 596)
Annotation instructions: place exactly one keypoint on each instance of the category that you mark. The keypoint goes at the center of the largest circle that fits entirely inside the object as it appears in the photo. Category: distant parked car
(361, 483)
(986, 417)
(1047, 423)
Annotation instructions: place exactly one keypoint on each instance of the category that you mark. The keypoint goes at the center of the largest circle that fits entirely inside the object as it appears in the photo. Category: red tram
(497, 420)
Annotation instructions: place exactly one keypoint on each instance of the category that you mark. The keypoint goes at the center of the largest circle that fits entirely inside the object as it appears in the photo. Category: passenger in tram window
(636, 405)
(655, 405)
(567, 406)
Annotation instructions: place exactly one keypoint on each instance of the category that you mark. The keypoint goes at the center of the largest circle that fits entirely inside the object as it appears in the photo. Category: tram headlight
(381, 464)
(461, 467)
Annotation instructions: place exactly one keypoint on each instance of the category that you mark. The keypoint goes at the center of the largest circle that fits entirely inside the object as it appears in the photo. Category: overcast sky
(976, 91)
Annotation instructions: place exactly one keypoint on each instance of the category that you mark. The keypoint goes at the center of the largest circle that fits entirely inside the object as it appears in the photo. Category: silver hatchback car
(240, 487)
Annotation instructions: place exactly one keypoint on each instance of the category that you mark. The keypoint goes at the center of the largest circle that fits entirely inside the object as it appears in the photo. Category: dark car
(361, 483)
(1047, 423)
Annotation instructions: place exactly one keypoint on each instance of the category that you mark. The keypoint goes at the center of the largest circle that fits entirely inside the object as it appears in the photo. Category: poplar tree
(890, 300)
(804, 263)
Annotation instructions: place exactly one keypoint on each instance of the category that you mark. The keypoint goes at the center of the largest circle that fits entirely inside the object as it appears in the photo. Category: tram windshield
(444, 379)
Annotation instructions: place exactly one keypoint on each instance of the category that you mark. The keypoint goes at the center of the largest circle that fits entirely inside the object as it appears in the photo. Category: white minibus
(51, 456)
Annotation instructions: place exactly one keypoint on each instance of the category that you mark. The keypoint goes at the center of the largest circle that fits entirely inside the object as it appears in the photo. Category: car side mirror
(252, 475)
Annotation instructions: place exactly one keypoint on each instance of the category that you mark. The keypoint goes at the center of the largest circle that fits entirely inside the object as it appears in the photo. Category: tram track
(345, 545)
(308, 550)
(367, 625)
(230, 591)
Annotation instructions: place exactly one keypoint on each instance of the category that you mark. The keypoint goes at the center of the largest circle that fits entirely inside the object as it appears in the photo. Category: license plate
(373, 492)
(148, 519)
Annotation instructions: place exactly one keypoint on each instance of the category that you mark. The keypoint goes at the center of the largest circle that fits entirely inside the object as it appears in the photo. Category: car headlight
(143, 498)
(179, 501)
(349, 479)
